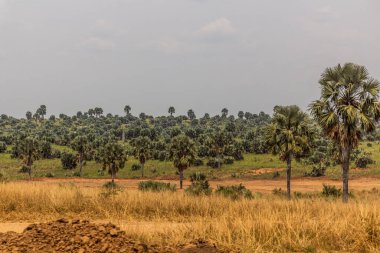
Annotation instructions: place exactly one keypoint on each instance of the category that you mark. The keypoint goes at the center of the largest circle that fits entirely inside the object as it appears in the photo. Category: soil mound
(83, 236)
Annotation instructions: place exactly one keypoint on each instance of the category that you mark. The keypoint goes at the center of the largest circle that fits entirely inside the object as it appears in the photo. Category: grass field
(267, 223)
(246, 169)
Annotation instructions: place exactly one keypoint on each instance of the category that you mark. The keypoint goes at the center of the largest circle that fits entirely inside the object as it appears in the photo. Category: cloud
(98, 43)
(221, 27)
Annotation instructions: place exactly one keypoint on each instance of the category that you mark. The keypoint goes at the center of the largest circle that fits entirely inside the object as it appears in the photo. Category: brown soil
(303, 184)
(83, 236)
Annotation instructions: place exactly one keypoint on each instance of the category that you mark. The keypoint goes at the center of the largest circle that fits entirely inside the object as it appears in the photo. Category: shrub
(76, 174)
(213, 163)
(228, 160)
(198, 162)
(369, 144)
(363, 160)
(199, 185)
(156, 186)
(49, 174)
(331, 191)
(317, 171)
(3, 147)
(110, 185)
(69, 161)
(24, 169)
(46, 151)
(278, 192)
(234, 192)
(135, 167)
(162, 156)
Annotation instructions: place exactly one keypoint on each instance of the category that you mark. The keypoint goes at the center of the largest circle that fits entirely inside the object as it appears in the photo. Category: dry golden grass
(266, 224)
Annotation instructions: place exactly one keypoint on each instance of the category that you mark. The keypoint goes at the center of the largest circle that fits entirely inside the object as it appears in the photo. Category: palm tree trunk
(142, 169)
(345, 168)
(180, 178)
(80, 164)
(29, 164)
(288, 176)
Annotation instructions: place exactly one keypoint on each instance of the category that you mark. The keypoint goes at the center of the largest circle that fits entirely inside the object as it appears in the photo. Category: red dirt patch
(83, 236)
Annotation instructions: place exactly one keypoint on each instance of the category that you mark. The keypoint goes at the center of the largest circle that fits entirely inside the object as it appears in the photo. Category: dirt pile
(82, 236)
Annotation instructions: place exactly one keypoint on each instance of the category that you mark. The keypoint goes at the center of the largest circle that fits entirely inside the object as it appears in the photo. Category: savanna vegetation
(91, 144)
(337, 132)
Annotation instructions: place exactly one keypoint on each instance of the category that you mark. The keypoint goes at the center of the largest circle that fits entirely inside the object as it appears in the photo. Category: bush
(76, 174)
(228, 160)
(24, 169)
(135, 167)
(110, 185)
(162, 156)
(199, 185)
(46, 151)
(213, 163)
(49, 174)
(317, 171)
(363, 160)
(56, 154)
(369, 144)
(156, 186)
(69, 161)
(278, 192)
(3, 147)
(331, 191)
(198, 162)
(234, 192)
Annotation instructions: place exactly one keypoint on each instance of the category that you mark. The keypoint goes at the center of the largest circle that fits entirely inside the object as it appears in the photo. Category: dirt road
(264, 186)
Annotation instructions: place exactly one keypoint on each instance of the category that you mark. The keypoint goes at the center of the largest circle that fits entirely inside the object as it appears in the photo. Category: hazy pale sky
(202, 54)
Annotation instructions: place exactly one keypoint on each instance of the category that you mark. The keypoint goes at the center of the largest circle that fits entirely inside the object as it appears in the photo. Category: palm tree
(30, 151)
(127, 109)
(113, 157)
(182, 152)
(142, 151)
(80, 144)
(171, 110)
(28, 115)
(289, 135)
(224, 112)
(347, 107)
(191, 114)
(218, 142)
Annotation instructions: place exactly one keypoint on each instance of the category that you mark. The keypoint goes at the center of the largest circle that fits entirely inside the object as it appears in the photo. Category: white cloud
(218, 28)
(97, 43)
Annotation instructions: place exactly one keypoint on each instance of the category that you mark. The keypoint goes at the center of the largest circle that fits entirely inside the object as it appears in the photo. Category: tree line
(346, 112)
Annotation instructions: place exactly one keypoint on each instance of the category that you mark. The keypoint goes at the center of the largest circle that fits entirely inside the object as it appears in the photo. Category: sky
(72, 55)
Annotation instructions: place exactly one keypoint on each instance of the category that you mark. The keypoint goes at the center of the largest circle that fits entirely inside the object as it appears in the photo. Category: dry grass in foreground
(266, 224)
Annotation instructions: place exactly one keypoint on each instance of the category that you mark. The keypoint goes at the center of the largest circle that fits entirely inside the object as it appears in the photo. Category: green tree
(171, 110)
(80, 144)
(142, 151)
(112, 156)
(347, 107)
(289, 135)
(41, 111)
(182, 152)
(241, 114)
(29, 152)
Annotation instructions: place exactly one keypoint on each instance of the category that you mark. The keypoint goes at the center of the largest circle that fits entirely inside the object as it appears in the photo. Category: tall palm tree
(182, 152)
(30, 151)
(142, 151)
(127, 109)
(347, 107)
(288, 135)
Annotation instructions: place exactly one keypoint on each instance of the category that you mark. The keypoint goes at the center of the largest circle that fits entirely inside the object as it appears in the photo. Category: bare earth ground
(263, 186)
